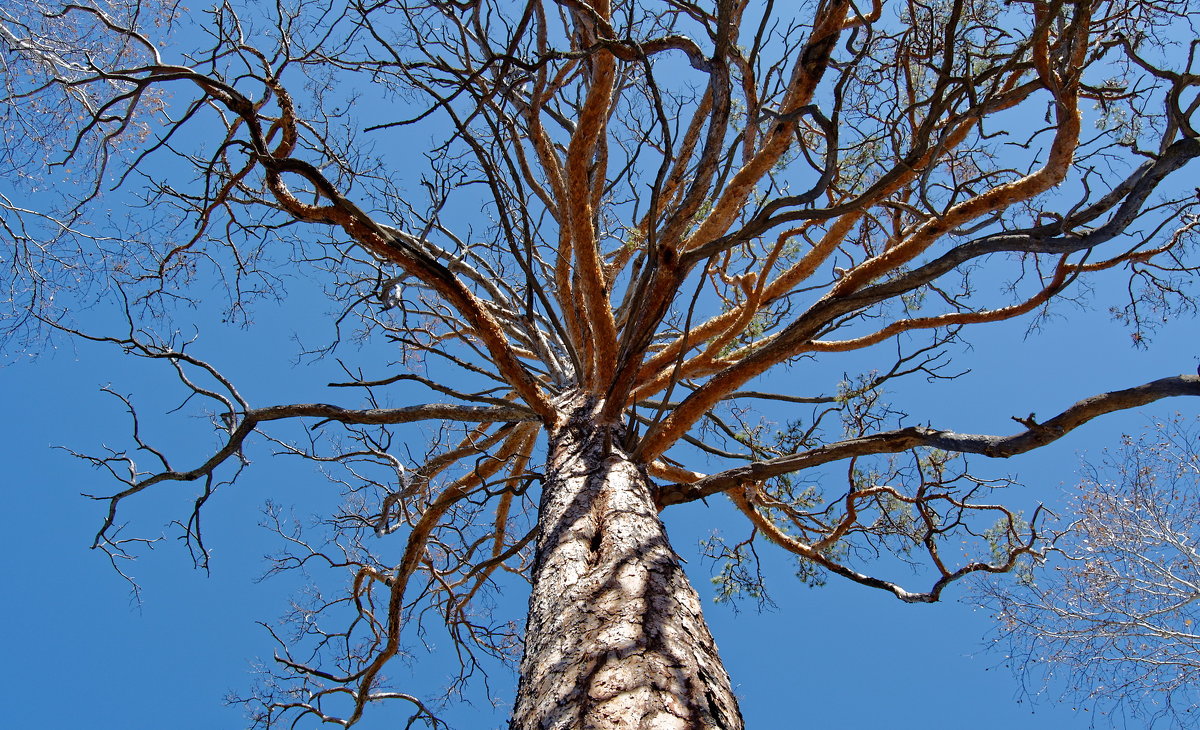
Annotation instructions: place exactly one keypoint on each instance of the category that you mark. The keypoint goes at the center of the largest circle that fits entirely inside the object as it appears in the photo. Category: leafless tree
(628, 216)
(1110, 618)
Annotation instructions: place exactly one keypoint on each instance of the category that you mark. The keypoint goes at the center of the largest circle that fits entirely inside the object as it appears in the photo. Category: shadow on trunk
(616, 637)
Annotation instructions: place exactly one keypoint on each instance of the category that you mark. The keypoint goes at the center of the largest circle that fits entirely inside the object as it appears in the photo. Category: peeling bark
(615, 636)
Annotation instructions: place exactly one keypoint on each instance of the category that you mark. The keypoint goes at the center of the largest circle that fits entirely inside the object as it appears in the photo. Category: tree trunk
(615, 636)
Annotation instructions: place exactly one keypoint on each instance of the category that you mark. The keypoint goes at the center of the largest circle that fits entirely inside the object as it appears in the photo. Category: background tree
(1112, 615)
(629, 220)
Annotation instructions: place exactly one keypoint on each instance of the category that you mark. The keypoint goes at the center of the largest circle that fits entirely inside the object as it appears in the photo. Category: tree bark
(615, 636)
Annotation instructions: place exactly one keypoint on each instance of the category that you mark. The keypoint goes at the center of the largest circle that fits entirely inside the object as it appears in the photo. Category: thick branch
(370, 416)
(891, 442)
(406, 414)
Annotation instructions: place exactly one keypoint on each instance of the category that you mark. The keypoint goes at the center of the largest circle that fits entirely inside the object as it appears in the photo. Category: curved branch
(370, 416)
(406, 414)
(808, 552)
(896, 441)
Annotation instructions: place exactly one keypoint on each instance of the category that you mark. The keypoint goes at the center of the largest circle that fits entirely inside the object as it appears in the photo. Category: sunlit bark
(615, 636)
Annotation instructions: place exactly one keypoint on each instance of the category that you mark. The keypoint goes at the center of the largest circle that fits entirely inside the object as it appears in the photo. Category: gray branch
(903, 439)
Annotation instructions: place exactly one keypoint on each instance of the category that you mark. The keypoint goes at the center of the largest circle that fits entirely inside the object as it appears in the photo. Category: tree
(631, 218)
(1114, 610)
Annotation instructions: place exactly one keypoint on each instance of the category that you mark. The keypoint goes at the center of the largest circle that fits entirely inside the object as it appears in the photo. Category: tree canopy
(623, 247)
(1115, 612)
